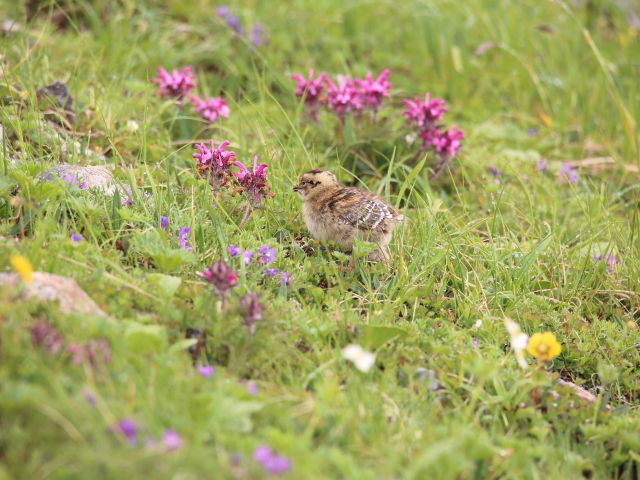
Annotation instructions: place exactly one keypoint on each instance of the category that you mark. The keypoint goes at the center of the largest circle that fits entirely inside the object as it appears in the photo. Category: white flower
(519, 341)
(362, 359)
(132, 125)
(477, 324)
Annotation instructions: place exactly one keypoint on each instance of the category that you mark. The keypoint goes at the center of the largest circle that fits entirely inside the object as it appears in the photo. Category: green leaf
(144, 339)
(362, 249)
(167, 284)
(373, 336)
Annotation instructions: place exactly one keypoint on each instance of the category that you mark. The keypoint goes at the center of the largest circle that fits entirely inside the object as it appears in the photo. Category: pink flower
(222, 278)
(374, 91)
(45, 336)
(445, 143)
(175, 84)
(311, 90)
(424, 114)
(210, 108)
(253, 183)
(205, 370)
(568, 174)
(344, 98)
(171, 440)
(214, 163)
(251, 311)
(271, 463)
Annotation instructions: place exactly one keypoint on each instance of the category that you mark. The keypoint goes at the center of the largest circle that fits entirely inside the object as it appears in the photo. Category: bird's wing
(366, 214)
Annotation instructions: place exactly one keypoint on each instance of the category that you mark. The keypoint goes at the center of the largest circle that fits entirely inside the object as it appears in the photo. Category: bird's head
(314, 181)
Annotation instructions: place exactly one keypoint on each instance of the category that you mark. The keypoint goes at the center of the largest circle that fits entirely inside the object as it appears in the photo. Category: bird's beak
(297, 188)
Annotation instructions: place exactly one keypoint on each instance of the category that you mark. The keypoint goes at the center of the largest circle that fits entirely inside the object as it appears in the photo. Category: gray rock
(54, 288)
(98, 177)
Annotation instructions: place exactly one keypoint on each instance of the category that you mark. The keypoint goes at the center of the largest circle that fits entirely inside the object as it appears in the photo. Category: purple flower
(446, 143)
(266, 255)
(567, 174)
(271, 463)
(246, 257)
(251, 311)
(495, 173)
(210, 108)
(252, 388)
(310, 90)
(90, 352)
(205, 370)
(270, 272)
(45, 336)
(171, 440)
(253, 183)
(126, 202)
(609, 259)
(232, 21)
(222, 278)
(164, 222)
(542, 166)
(176, 84)
(373, 91)
(233, 250)
(72, 179)
(284, 279)
(256, 35)
(183, 238)
(343, 98)
(424, 114)
(129, 429)
(76, 237)
(532, 132)
(89, 396)
(214, 163)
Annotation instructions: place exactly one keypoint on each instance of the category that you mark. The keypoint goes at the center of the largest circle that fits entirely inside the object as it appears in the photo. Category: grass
(446, 398)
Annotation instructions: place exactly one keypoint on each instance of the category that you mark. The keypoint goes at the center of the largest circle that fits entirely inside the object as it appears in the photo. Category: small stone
(51, 288)
(98, 177)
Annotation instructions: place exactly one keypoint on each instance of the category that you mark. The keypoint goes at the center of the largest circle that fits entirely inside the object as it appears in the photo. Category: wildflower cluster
(608, 259)
(542, 346)
(45, 337)
(127, 428)
(178, 85)
(343, 97)
(215, 164)
(266, 256)
(255, 36)
(271, 463)
(425, 116)
(566, 175)
(184, 234)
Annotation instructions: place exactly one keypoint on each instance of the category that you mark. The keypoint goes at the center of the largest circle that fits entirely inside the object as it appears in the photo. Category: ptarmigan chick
(342, 214)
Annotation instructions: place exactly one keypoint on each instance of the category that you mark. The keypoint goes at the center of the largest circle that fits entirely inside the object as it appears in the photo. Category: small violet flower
(256, 35)
(171, 440)
(266, 255)
(129, 429)
(233, 250)
(284, 279)
(89, 397)
(271, 463)
(183, 238)
(205, 370)
(210, 108)
(252, 388)
(271, 272)
(246, 257)
(76, 237)
(176, 84)
(541, 165)
(495, 173)
(164, 223)
(567, 174)
(232, 21)
(608, 259)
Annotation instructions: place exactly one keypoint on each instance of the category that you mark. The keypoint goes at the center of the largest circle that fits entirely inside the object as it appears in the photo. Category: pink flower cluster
(424, 116)
(253, 183)
(343, 97)
(216, 163)
(178, 84)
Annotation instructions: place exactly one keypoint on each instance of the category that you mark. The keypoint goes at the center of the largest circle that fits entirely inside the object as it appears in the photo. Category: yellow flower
(22, 265)
(544, 346)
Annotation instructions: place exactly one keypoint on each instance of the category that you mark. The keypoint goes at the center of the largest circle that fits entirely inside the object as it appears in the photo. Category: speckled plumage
(341, 214)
